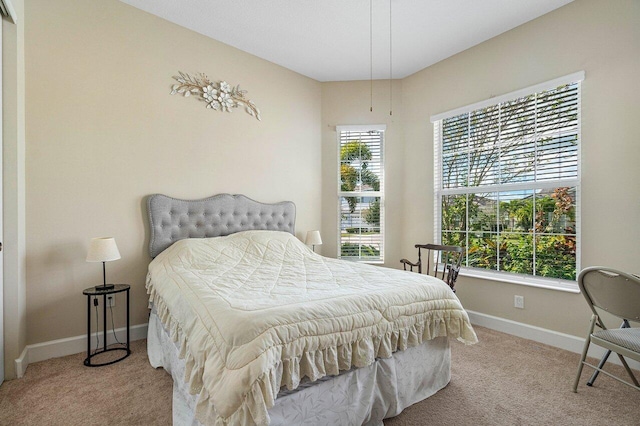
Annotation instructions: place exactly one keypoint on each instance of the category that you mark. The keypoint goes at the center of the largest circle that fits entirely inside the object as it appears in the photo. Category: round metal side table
(95, 292)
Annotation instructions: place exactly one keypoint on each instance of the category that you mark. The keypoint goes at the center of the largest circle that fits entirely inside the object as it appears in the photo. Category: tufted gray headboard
(171, 219)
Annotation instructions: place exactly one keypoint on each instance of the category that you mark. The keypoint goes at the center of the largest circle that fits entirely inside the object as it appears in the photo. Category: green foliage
(372, 215)
(509, 244)
(454, 212)
(350, 177)
(518, 254)
(355, 250)
(355, 150)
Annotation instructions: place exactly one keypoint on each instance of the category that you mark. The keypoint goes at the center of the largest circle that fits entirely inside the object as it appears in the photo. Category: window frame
(380, 194)
(440, 192)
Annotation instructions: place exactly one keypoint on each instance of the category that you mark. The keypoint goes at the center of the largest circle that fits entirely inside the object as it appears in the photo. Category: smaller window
(360, 193)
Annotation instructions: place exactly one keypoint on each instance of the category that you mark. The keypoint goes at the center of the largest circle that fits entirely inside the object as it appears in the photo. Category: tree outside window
(360, 195)
(508, 183)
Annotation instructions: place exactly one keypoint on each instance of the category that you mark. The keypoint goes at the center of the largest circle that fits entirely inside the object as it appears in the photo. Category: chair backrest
(611, 290)
(442, 261)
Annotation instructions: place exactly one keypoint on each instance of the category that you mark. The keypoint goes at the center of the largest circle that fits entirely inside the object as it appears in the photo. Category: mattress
(257, 310)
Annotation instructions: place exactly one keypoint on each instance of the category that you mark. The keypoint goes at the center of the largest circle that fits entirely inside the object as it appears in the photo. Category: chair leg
(603, 361)
(594, 376)
(587, 342)
(626, 367)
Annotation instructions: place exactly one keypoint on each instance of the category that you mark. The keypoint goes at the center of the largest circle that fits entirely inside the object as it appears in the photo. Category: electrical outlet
(111, 300)
(518, 302)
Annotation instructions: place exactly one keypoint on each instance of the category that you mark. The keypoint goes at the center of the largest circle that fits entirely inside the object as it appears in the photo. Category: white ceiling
(329, 40)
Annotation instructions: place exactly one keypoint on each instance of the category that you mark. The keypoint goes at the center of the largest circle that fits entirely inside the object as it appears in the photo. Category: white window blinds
(507, 180)
(360, 193)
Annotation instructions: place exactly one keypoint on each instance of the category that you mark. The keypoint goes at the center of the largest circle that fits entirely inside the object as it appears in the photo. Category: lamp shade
(313, 238)
(103, 249)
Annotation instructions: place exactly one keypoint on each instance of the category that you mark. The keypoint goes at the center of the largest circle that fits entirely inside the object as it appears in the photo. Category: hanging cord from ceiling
(371, 54)
(390, 64)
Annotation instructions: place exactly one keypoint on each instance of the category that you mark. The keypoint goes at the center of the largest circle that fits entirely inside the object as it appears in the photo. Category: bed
(255, 328)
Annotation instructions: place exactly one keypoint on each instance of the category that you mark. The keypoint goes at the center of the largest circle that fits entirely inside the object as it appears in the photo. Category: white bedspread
(257, 310)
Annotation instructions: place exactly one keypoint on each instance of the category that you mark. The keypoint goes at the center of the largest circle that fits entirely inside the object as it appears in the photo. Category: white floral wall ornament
(220, 96)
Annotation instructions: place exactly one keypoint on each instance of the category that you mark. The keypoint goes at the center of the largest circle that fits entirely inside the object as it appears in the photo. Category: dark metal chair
(446, 262)
(616, 293)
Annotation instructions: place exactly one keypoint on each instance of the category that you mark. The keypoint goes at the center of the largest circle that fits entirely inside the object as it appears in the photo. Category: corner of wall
(21, 363)
(13, 196)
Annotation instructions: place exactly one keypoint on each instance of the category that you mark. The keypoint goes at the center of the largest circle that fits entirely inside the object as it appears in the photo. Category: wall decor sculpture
(220, 96)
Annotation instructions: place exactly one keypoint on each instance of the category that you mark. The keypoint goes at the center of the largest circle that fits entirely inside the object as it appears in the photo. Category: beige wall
(103, 133)
(601, 38)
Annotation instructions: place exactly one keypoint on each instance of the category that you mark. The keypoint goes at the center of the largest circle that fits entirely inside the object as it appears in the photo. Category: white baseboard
(73, 345)
(548, 337)
(22, 362)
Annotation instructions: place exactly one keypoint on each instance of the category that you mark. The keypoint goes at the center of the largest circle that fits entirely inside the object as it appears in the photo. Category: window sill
(546, 283)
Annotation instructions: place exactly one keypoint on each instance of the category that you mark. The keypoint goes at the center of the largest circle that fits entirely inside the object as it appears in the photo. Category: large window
(507, 181)
(360, 193)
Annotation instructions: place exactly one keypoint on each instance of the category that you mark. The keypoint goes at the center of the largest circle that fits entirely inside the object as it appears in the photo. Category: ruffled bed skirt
(362, 396)
(312, 364)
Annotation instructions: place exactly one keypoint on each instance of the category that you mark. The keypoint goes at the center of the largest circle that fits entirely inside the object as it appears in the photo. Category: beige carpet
(503, 380)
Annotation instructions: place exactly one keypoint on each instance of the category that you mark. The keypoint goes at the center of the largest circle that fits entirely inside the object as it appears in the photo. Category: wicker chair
(445, 259)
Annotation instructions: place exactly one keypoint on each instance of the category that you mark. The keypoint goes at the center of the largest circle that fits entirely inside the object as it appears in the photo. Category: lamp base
(105, 287)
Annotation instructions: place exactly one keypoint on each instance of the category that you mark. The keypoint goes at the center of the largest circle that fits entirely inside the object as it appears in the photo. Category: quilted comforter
(258, 310)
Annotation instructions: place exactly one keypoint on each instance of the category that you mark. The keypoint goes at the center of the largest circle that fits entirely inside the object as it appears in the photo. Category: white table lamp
(313, 239)
(103, 249)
